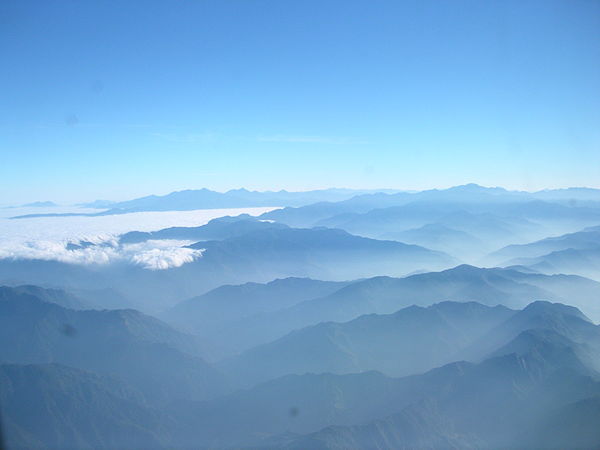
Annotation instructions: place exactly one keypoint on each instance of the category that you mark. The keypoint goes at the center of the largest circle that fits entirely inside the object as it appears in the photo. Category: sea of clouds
(47, 237)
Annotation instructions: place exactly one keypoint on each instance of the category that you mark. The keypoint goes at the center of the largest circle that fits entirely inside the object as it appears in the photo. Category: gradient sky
(119, 99)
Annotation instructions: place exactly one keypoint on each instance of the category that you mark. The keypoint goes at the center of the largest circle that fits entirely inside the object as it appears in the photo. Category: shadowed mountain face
(53, 406)
(384, 295)
(138, 349)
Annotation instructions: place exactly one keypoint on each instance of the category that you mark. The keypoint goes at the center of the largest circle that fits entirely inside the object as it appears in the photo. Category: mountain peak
(546, 307)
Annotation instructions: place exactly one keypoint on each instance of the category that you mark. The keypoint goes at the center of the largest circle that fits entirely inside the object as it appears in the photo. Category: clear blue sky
(104, 99)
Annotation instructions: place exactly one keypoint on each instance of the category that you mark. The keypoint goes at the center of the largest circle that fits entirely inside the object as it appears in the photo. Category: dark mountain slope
(58, 407)
(141, 350)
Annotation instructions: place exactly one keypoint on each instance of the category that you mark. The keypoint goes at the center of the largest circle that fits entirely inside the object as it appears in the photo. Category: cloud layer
(48, 238)
(153, 255)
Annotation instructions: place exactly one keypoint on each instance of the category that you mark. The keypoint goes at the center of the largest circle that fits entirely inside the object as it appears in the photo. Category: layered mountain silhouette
(492, 403)
(226, 305)
(384, 295)
(534, 368)
(372, 213)
(344, 319)
(412, 340)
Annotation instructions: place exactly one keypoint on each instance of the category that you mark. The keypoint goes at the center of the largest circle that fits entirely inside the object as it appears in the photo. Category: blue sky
(120, 99)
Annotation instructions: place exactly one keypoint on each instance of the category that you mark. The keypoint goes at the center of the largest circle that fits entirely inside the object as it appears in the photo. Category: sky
(115, 100)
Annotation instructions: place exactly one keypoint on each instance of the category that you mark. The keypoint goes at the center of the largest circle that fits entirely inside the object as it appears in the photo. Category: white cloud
(153, 255)
(47, 238)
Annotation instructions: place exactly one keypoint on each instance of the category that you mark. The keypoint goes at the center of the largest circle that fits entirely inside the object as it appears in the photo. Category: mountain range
(531, 380)
(383, 295)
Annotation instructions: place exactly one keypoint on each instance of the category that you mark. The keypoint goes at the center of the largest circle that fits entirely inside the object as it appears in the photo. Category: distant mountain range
(207, 199)
(352, 200)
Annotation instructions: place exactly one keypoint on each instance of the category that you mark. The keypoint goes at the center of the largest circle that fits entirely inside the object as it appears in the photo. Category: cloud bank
(152, 255)
(48, 238)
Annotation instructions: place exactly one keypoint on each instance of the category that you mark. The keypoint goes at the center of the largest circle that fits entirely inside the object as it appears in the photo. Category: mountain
(579, 262)
(217, 229)
(470, 196)
(574, 253)
(581, 240)
(228, 304)
(498, 403)
(42, 204)
(572, 426)
(192, 199)
(296, 403)
(385, 295)
(412, 340)
(236, 198)
(138, 349)
(489, 404)
(259, 256)
(554, 318)
(437, 236)
(56, 296)
(49, 406)
(315, 253)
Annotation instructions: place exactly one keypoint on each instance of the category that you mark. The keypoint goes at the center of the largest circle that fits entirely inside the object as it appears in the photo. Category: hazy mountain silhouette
(581, 240)
(228, 304)
(385, 295)
(412, 340)
(206, 199)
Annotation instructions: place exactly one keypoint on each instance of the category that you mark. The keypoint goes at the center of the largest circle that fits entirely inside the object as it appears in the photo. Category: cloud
(152, 255)
(165, 258)
(47, 238)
